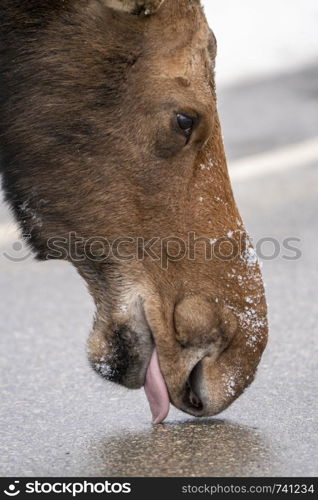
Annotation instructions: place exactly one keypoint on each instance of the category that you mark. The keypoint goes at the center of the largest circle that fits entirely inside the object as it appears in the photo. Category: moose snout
(200, 322)
(200, 356)
(204, 329)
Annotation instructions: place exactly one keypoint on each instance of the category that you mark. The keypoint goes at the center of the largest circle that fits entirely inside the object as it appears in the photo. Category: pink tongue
(156, 390)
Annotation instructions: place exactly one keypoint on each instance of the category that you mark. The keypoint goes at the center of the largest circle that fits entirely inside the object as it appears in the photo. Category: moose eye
(186, 124)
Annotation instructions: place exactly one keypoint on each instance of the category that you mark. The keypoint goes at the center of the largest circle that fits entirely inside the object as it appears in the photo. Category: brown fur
(90, 145)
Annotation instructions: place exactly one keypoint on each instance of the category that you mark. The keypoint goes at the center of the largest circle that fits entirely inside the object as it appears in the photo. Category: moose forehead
(174, 43)
(189, 57)
(180, 46)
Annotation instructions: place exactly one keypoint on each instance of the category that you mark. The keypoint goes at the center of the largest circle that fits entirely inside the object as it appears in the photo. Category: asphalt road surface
(58, 418)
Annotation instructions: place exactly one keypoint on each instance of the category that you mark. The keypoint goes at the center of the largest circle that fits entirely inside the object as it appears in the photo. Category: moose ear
(145, 7)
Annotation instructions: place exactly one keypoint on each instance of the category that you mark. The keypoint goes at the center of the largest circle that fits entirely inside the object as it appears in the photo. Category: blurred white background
(258, 38)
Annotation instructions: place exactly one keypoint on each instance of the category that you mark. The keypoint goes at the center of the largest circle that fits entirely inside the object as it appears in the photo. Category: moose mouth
(133, 361)
(193, 366)
(158, 396)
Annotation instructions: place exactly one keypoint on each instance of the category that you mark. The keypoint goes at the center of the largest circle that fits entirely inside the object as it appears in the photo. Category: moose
(109, 129)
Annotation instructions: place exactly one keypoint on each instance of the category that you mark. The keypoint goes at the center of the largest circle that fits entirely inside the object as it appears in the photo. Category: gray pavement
(270, 113)
(58, 418)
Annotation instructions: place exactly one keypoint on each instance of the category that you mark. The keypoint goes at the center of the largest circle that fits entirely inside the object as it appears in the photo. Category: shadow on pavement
(189, 448)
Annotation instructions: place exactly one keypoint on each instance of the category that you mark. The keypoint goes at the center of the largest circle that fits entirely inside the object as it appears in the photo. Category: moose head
(112, 158)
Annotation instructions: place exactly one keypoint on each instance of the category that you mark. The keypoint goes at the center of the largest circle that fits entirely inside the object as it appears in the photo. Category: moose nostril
(192, 399)
(195, 401)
